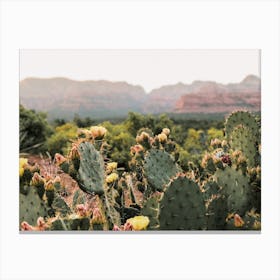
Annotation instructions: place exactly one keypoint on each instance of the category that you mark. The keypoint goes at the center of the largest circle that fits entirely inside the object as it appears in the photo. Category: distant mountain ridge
(62, 97)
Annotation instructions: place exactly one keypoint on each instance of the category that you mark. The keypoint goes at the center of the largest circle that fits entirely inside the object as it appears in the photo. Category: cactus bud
(98, 132)
(127, 226)
(41, 224)
(205, 160)
(97, 216)
(224, 143)
(26, 227)
(74, 152)
(216, 142)
(37, 180)
(59, 159)
(238, 222)
(136, 149)
(81, 210)
(166, 131)
(162, 138)
(49, 186)
(116, 228)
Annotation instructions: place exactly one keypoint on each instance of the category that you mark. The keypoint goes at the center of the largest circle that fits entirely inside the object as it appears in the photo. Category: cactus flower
(111, 166)
(22, 163)
(139, 222)
(112, 178)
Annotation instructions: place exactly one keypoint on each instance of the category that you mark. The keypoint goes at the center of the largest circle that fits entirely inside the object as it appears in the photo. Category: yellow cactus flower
(111, 166)
(139, 222)
(22, 164)
(112, 178)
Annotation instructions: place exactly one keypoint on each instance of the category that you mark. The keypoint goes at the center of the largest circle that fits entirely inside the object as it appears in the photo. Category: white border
(155, 24)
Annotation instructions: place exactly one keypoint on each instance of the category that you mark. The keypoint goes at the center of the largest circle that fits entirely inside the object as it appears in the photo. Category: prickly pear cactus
(235, 188)
(242, 118)
(72, 222)
(182, 206)
(150, 209)
(91, 170)
(159, 168)
(242, 139)
(60, 206)
(217, 214)
(78, 198)
(31, 207)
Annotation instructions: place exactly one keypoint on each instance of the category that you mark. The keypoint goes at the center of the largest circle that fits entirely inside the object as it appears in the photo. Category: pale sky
(148, 68)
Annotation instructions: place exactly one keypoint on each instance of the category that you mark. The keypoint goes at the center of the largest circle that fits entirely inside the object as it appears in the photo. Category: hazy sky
(148, 68)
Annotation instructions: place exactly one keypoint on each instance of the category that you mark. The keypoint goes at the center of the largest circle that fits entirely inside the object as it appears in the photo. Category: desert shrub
(60, 141)
(33, 130)
(120, 141)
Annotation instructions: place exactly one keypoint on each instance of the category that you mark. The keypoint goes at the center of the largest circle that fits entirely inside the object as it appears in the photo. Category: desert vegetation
(143, 172)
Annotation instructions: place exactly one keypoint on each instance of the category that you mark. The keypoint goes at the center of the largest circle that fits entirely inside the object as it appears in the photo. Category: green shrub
(60, 141)
(33, 130)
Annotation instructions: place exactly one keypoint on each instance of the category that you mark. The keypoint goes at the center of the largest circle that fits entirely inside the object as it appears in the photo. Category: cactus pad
(244, 118)
(91, 170)
(182, 206)
(236, 189)
(242, 139)
(31, 207)
(159, 168)
(216, 214)
(151, 210)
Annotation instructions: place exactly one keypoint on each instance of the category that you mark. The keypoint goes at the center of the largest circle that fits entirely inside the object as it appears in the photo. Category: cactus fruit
(159, 168)
(182, 206)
